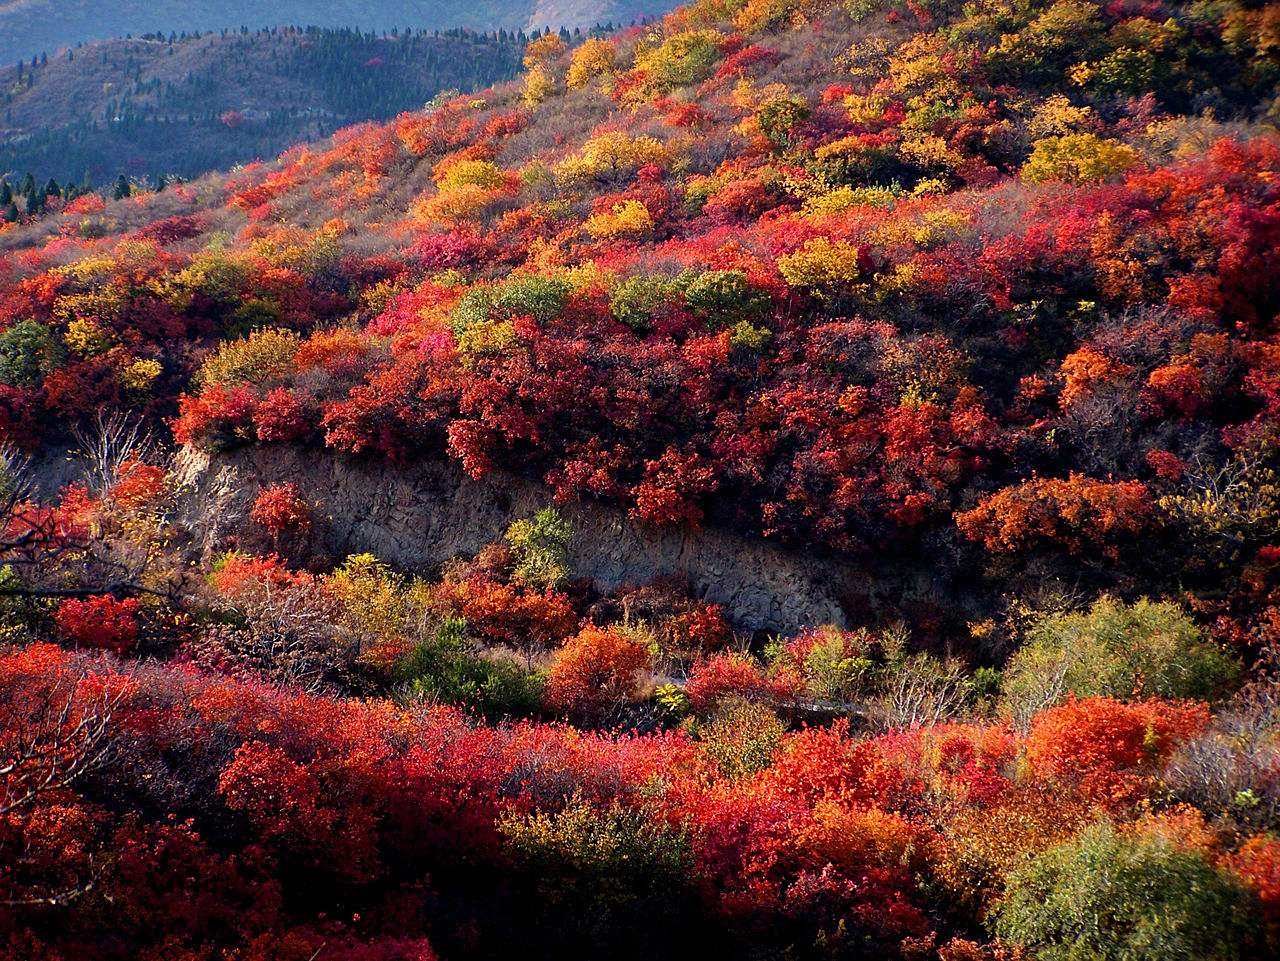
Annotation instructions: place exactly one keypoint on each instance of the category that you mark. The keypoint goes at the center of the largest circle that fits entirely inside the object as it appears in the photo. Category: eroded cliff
(420, 516)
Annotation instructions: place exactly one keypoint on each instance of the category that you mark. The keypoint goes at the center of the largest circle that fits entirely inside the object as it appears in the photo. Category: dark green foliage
(448, 669)
(28, 351)
(1108, 896)
(615, 880)
(240, 97)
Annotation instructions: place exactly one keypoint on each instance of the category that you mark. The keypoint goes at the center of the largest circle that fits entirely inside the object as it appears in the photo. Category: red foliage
(280, 416)
(138, 484)
(1103, 749)
(219, 413)
(596, 669)
(102, 622)
(1257, 864)
(1078, 514)
(509, 614)
(735, 676)
(281, 509)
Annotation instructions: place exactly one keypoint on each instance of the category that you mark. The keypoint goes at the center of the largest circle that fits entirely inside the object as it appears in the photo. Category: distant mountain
(153, 105)
(31, 27)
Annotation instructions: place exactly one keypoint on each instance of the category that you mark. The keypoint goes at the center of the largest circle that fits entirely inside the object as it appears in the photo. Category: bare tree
(292, 634)
(56, 739)
(53, 737)
(50, 554)
(919, 691)
(112, 441)
(1233, 769)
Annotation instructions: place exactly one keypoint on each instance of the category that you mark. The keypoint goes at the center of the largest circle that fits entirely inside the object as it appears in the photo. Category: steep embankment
(425, 514)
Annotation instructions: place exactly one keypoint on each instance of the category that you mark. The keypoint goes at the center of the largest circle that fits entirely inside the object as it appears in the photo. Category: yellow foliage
(539, 84)
(587, 277)
(543, 50)
(260, 358)
(595, 58)
(105, 303)
(611, 155)
(140, 375)
(821, 264)
(866, 110)
(930, 151)
(682, 59)
(1057, 116)
(844, 198)
(461, 203)
(761, 14)
(87, 338)
(452, 173)
(627, 219)
(88, 269)
(486, 337)
(931, 228)
(1077, 158)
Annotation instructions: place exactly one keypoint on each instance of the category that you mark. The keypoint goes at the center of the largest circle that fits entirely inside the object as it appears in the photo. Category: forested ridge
(182, 105)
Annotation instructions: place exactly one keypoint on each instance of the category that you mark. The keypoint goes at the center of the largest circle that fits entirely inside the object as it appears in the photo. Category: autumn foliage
(971, 305)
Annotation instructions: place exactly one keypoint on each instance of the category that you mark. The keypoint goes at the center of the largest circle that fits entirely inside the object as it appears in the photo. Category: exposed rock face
(421, 516)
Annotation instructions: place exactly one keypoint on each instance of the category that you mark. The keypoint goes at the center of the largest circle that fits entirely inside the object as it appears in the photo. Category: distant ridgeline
(184, 104)
(29, 26)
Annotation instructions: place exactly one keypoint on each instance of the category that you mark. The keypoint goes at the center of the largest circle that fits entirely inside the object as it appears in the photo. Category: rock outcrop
(420, 516)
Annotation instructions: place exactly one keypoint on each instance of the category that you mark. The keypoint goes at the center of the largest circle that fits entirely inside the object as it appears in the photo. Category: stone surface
(420, 516)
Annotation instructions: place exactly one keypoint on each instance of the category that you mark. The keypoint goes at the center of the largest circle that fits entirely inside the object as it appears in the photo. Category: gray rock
(430, 512)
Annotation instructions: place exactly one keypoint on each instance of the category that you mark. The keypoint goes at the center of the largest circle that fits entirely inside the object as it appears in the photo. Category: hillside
(31, 27)
(798, 480)
(188, 105)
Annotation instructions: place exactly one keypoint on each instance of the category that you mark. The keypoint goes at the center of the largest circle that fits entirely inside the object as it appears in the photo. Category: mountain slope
(968, 309)
(149, 105)
(29, 27)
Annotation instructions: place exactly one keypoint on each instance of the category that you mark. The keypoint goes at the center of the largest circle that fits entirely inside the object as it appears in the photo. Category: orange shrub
(597, 669)
(1077, 514)
(1104, 750)
(281, 509)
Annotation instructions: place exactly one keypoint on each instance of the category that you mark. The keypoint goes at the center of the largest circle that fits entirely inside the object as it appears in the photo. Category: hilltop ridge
(31, 27)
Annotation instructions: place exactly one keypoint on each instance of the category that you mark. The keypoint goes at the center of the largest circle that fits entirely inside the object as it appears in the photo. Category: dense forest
(978, 303)
(185, 104)
(29, 26)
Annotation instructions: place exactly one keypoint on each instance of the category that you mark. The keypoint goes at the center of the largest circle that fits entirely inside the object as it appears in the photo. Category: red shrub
(280, 509)
(280, 416)
(1077, 514)
(596, 670)
(1104, 749)
(138, 484)
(735, 675)
(101, 622)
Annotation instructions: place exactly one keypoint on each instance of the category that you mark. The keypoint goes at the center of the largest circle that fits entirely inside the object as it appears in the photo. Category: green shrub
(1106, 896)
(1116, 650)
(637, 299)
(445, 668)
(723, 297)
(28, 351)
(607, 878)
(540, 546)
